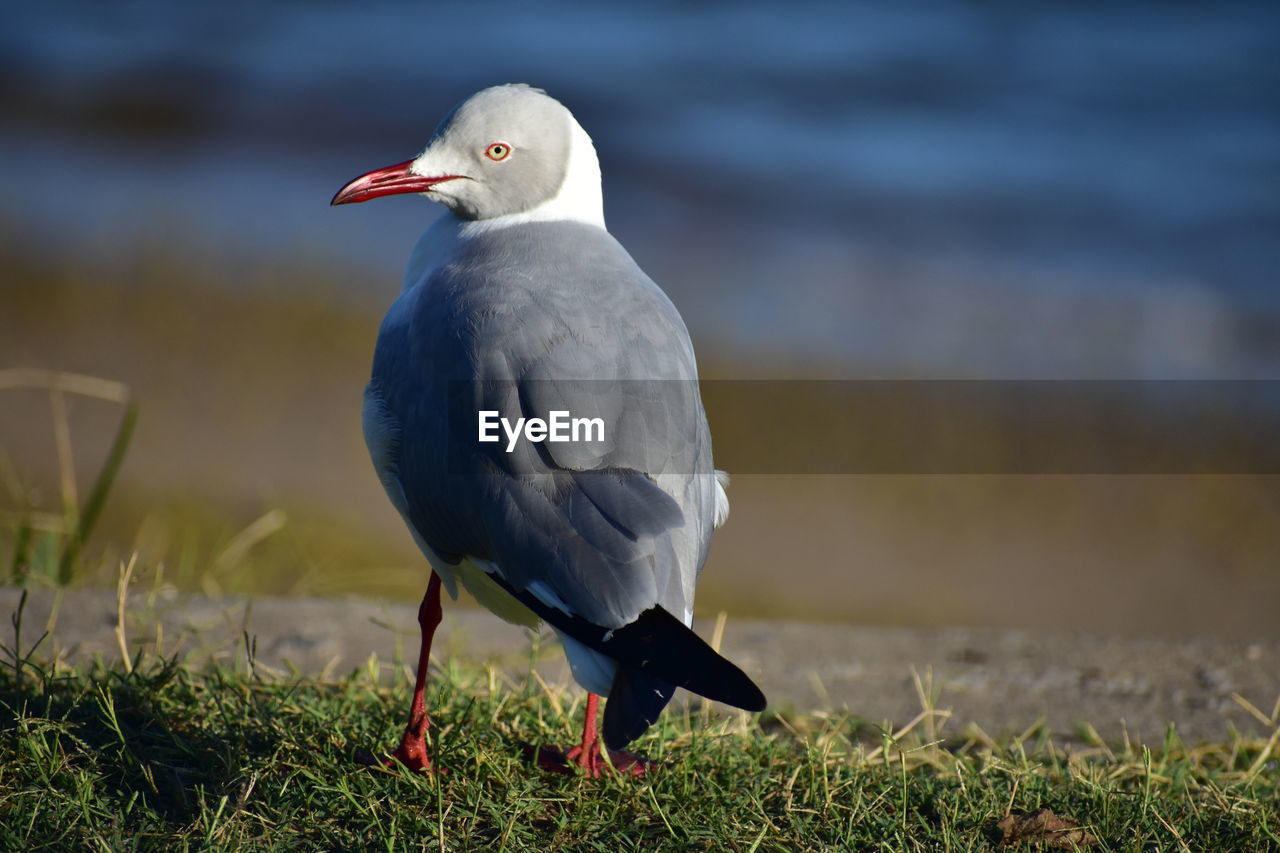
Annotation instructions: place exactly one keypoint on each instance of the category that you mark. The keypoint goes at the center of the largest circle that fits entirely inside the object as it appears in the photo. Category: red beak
(391, 180)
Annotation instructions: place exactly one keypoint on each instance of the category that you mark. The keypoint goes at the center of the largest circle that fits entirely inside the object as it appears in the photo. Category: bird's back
(528, 319)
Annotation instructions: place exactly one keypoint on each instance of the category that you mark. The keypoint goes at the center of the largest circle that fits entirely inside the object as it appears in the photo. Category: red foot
(587, 757)
(412, 753)
(556, 760)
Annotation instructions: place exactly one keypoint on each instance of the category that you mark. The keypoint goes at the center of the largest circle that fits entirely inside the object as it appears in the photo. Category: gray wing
(553, 316)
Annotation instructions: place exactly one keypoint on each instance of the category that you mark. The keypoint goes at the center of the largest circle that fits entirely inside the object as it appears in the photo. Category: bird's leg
(412, 751)
(588, 755)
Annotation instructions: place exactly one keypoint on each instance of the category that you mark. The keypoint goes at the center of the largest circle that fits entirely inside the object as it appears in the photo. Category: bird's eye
(498, 151)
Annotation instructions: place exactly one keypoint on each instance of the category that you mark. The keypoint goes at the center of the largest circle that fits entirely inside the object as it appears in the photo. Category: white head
(506, 153)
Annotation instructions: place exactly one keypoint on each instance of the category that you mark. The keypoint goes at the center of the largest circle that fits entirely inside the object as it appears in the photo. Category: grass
(153, 754)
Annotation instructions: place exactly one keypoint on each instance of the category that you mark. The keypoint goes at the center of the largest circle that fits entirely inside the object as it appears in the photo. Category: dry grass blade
(273, 521)
(71, 383)
(1254, 712)
(1261, 761)
(122, 595)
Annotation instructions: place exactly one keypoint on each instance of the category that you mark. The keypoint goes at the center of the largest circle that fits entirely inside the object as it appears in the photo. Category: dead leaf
(1045, 828)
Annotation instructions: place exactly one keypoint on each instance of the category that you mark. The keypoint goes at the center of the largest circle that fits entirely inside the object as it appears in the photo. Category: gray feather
(540, 317)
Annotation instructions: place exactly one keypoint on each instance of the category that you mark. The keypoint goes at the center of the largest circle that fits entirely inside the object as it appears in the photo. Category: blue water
(934, 188)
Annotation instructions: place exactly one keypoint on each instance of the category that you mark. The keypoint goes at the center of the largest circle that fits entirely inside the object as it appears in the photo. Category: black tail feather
(659, 645)
(662, 646)
(635, 701)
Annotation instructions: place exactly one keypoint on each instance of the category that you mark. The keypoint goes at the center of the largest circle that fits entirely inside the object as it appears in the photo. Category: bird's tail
(635, 701)
(656, 653)
(664, 648)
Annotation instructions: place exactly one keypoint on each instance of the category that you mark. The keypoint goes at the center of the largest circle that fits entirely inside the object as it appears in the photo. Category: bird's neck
(579, 198)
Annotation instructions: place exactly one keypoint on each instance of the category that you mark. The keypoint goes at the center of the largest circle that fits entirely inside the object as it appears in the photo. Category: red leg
(412, 751)
(587, 755)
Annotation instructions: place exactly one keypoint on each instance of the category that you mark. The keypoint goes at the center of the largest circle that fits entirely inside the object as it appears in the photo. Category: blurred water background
(839, 190)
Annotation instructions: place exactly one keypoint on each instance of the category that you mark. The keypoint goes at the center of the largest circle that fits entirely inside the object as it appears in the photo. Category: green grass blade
(21, 545)
(98, 495)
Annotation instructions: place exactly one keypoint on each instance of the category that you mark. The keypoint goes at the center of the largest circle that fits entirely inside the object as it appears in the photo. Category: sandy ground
(1002, 681)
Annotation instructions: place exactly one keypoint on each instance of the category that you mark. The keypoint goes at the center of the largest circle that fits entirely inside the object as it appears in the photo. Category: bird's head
(507, 150)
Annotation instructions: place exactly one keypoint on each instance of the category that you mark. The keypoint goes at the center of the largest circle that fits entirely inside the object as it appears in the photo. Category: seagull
(518, 301)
